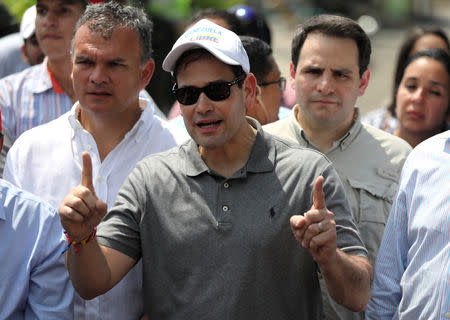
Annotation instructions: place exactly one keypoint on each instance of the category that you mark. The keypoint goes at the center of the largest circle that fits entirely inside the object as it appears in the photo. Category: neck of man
(109, 131)
(322, 133)
(61, 70)
(231, 157)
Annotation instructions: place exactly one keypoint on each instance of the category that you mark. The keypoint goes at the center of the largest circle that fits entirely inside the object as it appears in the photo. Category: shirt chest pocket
(374, 202)
(375, 198)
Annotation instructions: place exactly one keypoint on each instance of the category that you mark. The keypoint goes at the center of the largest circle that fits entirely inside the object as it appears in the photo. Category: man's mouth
(208, 124)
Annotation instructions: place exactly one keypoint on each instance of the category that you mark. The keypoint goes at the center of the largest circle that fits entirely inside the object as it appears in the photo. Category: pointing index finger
(318, 194)
(86, 172)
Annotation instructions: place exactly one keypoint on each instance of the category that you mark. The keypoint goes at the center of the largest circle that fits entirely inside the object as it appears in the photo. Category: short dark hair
(437, 54)
(333, 26)
(104, 18)
(215, 13)
(258, 52)
(195, 54)
(412, 36)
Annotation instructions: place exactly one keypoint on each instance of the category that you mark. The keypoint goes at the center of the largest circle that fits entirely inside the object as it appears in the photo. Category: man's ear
(24, 54)
(292, 71)
(147, 72)
(249, 91)
(364, 82)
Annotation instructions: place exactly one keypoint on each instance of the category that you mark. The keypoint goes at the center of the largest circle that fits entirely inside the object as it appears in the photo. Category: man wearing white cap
(31, 51)
(25, 42)
(231, 224)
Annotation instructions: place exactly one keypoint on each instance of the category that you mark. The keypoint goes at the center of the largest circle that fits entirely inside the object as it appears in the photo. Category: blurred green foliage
(172, 9)
(182, 9)
(18, 7)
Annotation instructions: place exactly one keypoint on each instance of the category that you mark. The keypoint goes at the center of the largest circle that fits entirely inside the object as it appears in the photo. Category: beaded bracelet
(78, 243)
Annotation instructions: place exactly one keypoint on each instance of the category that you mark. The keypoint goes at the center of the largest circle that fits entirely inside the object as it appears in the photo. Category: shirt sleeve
(120, 228)
(50, 293)
(391, 263)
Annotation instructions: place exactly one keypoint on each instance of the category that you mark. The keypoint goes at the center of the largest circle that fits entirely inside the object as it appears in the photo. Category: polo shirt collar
(342, 143)
(261, 159)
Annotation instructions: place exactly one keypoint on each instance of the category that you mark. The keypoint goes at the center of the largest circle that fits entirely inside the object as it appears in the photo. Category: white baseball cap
(224, 44)
(27, 24)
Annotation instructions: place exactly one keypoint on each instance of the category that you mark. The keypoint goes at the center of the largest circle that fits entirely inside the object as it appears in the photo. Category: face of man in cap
(31, 51)
(55, 22)
(215, 124)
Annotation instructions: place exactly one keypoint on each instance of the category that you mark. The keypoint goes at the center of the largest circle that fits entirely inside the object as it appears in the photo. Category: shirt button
(99, 179)
(89, 147)
(225, 208)
(447, 315)
(226, 185)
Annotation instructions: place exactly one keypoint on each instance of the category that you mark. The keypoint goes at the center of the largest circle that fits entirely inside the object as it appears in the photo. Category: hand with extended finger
(81, 210)
(316, 229)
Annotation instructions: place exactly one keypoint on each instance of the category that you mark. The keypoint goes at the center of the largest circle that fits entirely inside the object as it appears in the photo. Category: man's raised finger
(86, 172)
(318, 194)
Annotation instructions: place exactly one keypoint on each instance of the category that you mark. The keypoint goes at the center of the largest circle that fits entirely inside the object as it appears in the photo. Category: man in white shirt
(112, 62)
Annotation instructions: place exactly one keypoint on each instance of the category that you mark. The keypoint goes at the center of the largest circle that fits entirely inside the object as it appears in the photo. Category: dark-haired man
(329, 68)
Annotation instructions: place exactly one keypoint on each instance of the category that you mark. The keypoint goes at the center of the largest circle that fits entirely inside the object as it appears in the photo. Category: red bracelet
(78, 243)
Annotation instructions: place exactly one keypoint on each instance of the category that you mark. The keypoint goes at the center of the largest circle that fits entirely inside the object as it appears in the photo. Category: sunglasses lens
(187, 95)
(217, 91)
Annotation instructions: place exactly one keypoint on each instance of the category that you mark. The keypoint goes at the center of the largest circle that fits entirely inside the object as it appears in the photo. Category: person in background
(21, 50)
(253, 23)
(30, 54)
(270, 83)
(42, 92)
(112, 63)
(423, 97)
(34, 281)
(250, 220)
(31, 51)
(412, 277)
(329, 68)
(417, 39)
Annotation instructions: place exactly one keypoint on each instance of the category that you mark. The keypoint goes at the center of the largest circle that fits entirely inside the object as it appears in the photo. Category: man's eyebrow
(312, 68)
(118, 60)
(343, 70)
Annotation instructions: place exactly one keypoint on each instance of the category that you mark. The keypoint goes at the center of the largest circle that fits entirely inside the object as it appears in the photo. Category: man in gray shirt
(330, 56)
(229, 225)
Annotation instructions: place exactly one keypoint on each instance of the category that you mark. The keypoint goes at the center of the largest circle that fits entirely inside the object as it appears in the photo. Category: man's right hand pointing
(81, 210)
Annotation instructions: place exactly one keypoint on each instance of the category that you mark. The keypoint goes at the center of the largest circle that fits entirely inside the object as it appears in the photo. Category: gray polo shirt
(217, 248)
(369, 162)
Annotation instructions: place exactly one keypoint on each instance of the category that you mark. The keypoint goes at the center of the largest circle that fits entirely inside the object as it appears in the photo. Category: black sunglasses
(216, 91)
(281, 83)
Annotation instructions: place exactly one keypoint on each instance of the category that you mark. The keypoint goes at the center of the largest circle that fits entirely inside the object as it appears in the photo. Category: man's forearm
(89, 270)
(348, 279)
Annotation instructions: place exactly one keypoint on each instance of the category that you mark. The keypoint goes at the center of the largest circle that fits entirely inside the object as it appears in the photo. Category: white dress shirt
(46, 160)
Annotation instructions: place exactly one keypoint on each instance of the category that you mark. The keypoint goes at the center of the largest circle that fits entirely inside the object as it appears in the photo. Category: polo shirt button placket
(226, 185)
